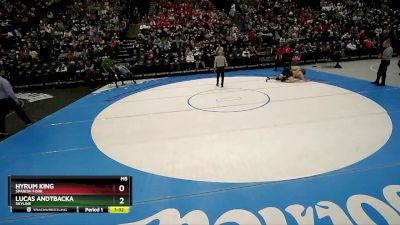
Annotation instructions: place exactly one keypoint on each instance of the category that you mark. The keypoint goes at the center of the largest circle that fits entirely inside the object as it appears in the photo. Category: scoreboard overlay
(87, 194)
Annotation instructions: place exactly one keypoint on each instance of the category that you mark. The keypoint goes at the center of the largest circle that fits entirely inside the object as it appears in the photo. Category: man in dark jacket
(8, 102)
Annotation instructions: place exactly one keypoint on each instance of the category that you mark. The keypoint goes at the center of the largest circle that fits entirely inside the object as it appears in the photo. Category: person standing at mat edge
(8, 101)
(219, 67)
(385, 57)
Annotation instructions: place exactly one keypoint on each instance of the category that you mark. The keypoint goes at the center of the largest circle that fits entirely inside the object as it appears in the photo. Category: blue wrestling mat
(363, 192)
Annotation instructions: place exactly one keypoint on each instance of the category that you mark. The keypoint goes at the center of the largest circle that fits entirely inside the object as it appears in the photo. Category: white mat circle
(306, 129)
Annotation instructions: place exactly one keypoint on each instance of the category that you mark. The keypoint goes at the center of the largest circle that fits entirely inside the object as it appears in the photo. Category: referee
(219, 67)
(385, 57)
(8, 101)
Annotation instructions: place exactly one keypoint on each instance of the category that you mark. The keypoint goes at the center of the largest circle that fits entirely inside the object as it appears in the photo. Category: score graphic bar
(110, 209)
(89, 194)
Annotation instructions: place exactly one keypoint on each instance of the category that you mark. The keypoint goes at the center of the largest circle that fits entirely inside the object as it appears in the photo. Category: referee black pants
(6, 105)
(382, 71)
(220, 72)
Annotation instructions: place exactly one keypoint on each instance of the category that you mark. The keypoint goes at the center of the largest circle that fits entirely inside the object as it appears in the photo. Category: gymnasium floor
(254, 152)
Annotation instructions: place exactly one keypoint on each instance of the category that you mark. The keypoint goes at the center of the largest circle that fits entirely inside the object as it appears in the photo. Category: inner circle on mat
(308, 129)
(228, 100)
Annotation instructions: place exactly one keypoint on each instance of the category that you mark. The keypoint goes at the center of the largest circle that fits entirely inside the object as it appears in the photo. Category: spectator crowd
(285, 29)
(68, 34)
(187, 34)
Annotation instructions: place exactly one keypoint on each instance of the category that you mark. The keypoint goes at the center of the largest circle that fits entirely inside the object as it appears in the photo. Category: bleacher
(134, 52)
